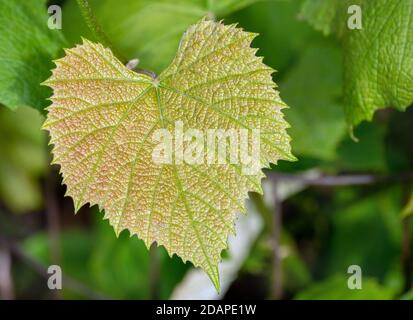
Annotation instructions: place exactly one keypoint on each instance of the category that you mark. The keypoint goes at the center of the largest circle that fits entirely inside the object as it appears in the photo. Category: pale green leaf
(336, 288)
(103, 117)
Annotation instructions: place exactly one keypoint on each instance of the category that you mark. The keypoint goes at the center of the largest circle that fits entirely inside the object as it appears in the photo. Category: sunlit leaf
(102, 122)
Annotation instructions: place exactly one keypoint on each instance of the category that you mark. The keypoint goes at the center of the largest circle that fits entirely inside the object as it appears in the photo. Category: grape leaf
(23, 159)
(149, 30)
(27, 48)
(378, 59)
(103, 116)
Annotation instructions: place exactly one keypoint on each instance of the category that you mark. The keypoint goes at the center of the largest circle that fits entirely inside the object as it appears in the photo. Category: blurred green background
(324, 229)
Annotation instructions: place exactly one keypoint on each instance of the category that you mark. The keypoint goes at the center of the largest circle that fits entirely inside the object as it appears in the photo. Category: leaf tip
(214, 277)
(77, 205)
(351, 133)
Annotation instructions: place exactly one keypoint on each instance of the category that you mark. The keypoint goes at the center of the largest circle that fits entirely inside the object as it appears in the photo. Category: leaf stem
(95, 28)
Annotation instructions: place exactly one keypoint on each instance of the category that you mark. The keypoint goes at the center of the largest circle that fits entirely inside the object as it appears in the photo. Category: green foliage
(122, 266)
(368, 154)
(116, 268)
(282, 36)
(378, 61)
(313, 87)
(313, 81)
(378, 68)
(27, 48)
(147, 30)
(335, 288)
(327, 16)
(355, 221)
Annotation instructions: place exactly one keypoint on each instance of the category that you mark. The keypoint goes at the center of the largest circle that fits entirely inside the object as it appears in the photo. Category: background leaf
(378, 67)
(27, 48)
(327, 16)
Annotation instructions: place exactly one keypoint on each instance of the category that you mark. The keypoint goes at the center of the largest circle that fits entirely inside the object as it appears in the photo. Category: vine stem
(53, 222)
(95, 27)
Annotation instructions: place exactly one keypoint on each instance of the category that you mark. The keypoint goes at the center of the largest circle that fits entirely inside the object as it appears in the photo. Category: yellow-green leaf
(103, 117)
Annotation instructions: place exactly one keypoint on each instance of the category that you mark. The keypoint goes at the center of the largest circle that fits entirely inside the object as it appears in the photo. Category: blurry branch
(41, 269)
(339, 180)
(95, 27)
(53, 228)
(52, 212)
(6, 278)
(277, 281)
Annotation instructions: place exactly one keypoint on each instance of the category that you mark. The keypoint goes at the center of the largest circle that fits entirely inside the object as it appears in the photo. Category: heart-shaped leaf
(104, 118)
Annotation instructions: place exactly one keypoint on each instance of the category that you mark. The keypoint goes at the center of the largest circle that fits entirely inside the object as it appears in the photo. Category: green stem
(95, 28)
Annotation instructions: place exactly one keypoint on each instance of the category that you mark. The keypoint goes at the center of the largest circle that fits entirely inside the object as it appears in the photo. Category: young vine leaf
(378, 58)
(103, 117)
